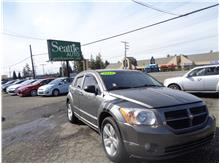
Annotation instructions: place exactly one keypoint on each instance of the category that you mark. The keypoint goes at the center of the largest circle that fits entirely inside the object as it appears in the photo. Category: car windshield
(115, 80)
(9, 82)
(18, 81)
(56, 81)
(28, 82)
(37, 81)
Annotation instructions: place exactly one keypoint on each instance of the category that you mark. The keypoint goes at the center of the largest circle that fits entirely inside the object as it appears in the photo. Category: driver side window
(197, 72)
(90, 80)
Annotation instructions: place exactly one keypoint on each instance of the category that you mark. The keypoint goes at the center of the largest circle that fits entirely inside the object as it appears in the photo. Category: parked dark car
(137, 116)
(31, 89)
(11, 82)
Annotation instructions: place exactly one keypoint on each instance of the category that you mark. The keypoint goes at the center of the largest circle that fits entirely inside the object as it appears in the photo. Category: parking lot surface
(36, 129)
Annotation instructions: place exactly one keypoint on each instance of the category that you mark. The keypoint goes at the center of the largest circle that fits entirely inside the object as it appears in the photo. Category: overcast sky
(87, 21)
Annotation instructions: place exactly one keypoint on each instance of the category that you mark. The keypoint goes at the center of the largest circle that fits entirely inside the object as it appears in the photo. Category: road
(36, 129)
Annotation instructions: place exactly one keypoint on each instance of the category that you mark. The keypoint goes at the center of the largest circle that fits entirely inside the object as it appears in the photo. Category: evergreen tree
(92, 63)
(26, 71)
(19, 75)
(106, 63)
(99, 63)
(14, 75)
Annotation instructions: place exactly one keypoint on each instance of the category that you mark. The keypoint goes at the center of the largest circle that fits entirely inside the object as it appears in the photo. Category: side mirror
(90, 89)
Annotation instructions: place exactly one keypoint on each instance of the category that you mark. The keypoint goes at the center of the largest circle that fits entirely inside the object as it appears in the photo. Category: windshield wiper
(117, 88)
(147, 85)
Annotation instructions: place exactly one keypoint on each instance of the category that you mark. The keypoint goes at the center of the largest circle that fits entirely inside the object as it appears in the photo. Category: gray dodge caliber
(136, 116)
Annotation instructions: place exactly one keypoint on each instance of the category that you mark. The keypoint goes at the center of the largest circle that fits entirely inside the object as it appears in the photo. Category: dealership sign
(64, 50)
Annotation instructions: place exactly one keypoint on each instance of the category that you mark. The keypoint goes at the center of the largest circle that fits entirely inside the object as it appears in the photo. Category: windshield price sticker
(108, 73)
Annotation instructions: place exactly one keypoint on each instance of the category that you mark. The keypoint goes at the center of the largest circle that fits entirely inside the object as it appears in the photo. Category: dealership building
(180, 61)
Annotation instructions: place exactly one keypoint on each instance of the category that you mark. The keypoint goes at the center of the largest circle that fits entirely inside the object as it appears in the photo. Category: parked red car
(31, 90)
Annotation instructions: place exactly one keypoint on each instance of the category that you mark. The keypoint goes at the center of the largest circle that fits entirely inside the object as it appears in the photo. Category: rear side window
(212, 71)
(78, 82)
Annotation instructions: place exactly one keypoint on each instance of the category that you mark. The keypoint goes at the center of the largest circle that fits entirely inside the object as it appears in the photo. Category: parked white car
(199, 79)
(55, 87)
(12, 90)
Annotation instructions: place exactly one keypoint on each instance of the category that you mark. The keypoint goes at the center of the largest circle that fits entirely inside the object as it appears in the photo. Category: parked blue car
(55, 87)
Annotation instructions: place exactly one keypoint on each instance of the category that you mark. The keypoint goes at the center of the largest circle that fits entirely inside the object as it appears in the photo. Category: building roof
(198, 59)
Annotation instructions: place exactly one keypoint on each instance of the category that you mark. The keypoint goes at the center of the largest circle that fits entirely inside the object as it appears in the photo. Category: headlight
(136, 116)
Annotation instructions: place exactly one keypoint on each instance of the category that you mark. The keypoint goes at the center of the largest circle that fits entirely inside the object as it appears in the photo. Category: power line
(21, 36)
(151, 25)
(178, 43)
(19, 62)
(127, 32)
(121, 34)
(183, 42)
(154, 8)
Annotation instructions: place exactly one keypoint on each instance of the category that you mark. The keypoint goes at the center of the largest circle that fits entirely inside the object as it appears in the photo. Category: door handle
(199, 79)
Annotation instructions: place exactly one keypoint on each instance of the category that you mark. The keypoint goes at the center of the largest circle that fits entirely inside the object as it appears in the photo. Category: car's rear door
(211, 78)
(90, 102)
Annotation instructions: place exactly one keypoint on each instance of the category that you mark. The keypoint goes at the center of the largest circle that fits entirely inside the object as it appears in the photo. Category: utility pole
(32, 63)
(126, 48)
(43, 67)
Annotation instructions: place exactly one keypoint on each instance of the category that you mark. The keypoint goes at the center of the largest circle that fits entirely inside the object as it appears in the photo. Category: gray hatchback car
(137, 116)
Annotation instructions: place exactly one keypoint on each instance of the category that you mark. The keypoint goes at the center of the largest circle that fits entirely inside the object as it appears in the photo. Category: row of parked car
(34, 87)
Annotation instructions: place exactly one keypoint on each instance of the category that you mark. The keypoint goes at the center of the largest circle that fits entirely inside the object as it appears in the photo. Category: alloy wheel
(110, 139)
(69, 112)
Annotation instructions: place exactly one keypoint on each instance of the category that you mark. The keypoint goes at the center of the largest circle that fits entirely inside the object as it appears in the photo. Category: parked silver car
(199, 79)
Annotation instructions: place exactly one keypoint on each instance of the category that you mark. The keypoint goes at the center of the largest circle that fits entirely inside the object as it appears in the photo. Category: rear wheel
(34, 93)
(55, 92)
(112, 141)
(174, 86)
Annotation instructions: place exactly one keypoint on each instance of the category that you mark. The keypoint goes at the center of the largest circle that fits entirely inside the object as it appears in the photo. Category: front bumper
(161, 143)
(12, 92)
(43, 93)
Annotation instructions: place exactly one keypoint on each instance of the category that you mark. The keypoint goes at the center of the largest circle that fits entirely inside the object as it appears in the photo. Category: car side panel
(211, 82)
(193, 83)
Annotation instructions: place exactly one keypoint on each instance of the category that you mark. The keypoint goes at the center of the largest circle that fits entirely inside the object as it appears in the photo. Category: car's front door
(90, 102)
(75, 91)
(194, 80)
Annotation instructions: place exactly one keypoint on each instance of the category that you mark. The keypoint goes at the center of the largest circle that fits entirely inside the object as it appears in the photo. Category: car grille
(186, 118)
(189, 145)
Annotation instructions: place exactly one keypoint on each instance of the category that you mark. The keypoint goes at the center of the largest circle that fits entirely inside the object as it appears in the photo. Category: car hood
(155, 97)
(44, 87)
(14, 86)
(26, 86)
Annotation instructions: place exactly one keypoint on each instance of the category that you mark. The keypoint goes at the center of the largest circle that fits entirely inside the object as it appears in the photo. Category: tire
(55, 92)
(174, 86)
(70, 114)
(113, 142)
(34, 92)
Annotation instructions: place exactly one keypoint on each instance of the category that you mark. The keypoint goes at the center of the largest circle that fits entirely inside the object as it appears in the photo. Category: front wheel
(112, 141)
(174, 86)
(55, 92)
(70, 114)
(34, 93)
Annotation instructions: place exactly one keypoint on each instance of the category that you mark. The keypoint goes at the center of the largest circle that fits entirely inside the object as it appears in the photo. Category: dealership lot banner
(64, 50)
